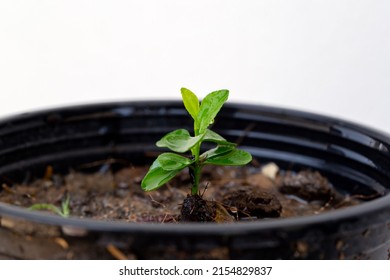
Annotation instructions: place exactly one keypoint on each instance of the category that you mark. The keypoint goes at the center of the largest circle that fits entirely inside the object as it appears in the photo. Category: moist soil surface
(227, 194)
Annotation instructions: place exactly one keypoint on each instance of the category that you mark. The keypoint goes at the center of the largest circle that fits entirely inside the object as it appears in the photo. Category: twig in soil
(328, 204)
(235, 211)
(62, 243)
(165, 218)
(155, 201)
(115, 252)
(205, 189)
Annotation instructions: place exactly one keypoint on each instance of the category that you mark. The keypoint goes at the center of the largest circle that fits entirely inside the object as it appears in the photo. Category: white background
(281, 270)
(330, 57)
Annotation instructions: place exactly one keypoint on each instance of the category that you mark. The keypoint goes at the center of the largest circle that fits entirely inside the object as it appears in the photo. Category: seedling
(64, 211)
(168, 165)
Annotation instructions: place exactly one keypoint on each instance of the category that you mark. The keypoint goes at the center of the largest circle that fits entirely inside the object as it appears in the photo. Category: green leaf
(211, 136)
(46, 206)
(235, 157)
(179, 141)
(171, 161)
(65, 206)
(64, 211)
(210, 107)
(191, 102)
(157, 176)
(219, 151)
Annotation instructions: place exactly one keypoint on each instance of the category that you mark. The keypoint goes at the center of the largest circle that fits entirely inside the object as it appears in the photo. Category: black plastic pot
(355, 158)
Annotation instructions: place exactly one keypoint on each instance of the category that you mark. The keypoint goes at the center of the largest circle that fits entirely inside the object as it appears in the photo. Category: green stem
(196, 168)
(196, 179)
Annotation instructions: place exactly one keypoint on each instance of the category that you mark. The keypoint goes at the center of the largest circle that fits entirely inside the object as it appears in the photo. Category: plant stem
(196, 168)
(196, 171)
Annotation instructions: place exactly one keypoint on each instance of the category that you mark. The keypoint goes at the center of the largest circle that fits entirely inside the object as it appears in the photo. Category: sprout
(168, 165)
(64, 211)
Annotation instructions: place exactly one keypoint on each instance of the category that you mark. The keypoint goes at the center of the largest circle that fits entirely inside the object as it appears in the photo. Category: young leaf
(63, 212)
(46, 206)
(219, 151)
(65, 206)
(179, 141)
(191, 102)
(210, 107)
(235, 157)
(157, 176)
(171, 161)
(211, 136)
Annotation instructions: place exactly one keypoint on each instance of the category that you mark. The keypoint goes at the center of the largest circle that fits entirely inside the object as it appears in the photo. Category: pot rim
(89, 224)
(301, 114)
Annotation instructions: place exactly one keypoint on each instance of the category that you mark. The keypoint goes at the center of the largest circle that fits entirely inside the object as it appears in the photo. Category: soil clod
(253, 203)
(196, 209)
(307, 185)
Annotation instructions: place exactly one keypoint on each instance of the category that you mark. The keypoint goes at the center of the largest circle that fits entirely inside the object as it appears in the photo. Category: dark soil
(229, 194)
